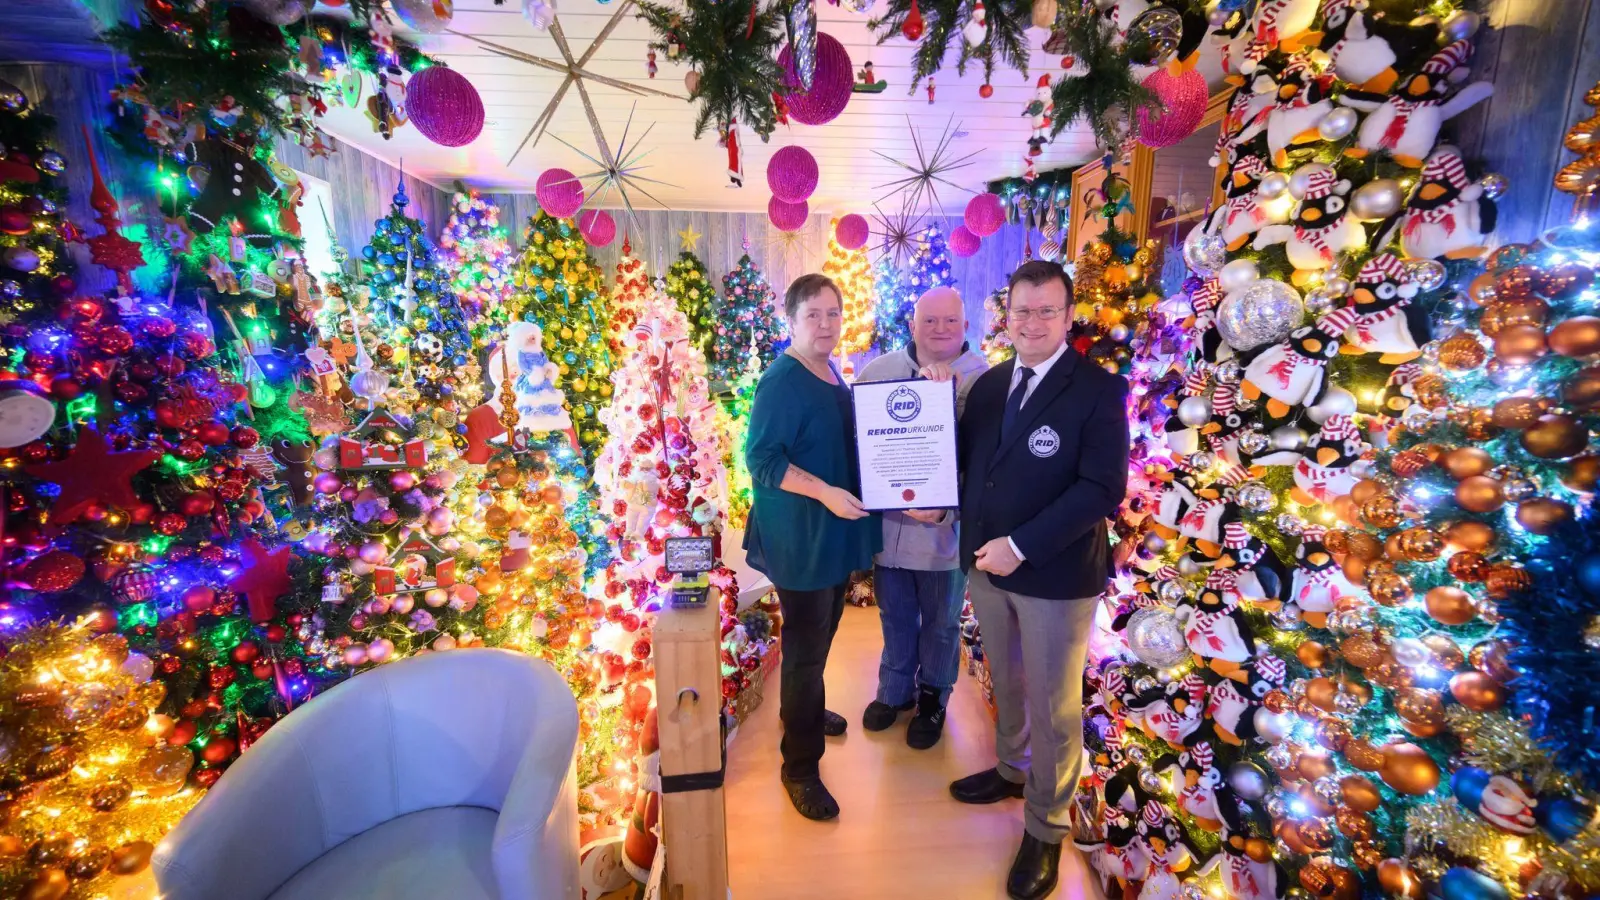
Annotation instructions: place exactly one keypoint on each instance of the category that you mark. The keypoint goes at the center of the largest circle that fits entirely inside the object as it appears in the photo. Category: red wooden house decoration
(357, 449)
(416, 565)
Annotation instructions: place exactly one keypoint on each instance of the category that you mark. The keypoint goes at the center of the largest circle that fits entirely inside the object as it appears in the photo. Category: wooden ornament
(1581, 474)
(1480, 494)
(1477, 691)
(1358, 792)
(1450, 605)
(1576, 337)
(1465, 462)
(1409, 769)
(1543, 515)
(1519, 345)
(1555, 436)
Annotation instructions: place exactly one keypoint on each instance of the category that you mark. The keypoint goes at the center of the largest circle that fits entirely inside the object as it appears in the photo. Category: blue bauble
(386, 276)
(569, 358)
(368, 252)
(1564, 817)
(1467, 784)
(386, 259)
(1588, 574)
(1470, 884)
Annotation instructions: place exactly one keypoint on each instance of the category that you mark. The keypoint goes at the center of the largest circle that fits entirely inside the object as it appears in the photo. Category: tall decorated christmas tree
(850, 270)
(558, 286)
(690, 288)
(747, 321)
(930, 264)
(893, 305)
(475, 252)
(996, 341)
(628, 292)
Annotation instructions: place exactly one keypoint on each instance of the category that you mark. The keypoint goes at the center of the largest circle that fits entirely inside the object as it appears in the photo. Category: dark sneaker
(881, 715)
(833, 724)
(928, 724)
(811, 799)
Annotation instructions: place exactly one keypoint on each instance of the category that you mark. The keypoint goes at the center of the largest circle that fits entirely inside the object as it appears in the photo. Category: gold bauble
(1450, 605)
(1543, 515)
(1382, 511)
(1582, 390)
(1312, 654)
(89, 863)
(1358, 792)
(1469, 535)
(1421, 544)
(1315, 834)
(1468, 565)
(1517, 412)
(1461, 353)
(1581, 474)
(1476, 422)
(1519, 345)
(49, 884)
(1477, 691)
(1362, 755)
(1409, 769)
(1321, 692)
(1555, 436)
(1364, 546)
(1480, 494)
(1465, 462)
(132, 857)
(1578, 336)
(1397, 879)
(109, 796)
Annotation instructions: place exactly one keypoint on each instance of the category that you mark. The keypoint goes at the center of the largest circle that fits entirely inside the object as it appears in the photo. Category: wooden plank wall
(363, 188)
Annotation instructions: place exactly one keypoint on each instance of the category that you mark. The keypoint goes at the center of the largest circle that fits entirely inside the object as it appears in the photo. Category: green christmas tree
(893, 302)
(690, 289)
(746, 320)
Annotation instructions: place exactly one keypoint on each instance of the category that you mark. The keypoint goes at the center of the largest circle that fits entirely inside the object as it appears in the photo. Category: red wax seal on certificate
(908, 495)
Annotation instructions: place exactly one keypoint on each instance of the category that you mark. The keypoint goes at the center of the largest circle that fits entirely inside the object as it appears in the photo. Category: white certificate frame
(887, 441)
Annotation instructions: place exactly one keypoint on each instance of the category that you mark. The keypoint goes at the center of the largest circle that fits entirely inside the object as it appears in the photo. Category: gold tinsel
(1502, 854)
(1498, 743)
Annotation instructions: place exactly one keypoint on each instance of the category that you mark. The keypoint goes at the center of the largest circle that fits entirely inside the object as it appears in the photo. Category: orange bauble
(1582, 474)
(1499, 316)
(1481, 290)
(1321, 692)
(1446, 652)
(1361, 651)
(1519, 345)
(1421, 544)
(1450, 605)
(1363, 756)
(1312, 654)
(1477, 691)
(1582, 390)
(1503, 580)
(1469, 535)
(1382, 511)
(1258, 849)
(1543, 515)
(1397, 880)
(1516, 283)
(1555, 437)
(1389, 589)
(1409, 769)
(1517, 412)
(1314, 764)
(1461, 353)
(1359, 793)
(1468, 566)
(1365, 490)
(1576, 337)
(1465, 462)
(1480, 494)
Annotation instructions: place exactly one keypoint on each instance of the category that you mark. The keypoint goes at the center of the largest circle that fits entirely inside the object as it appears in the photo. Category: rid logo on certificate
(906, 442)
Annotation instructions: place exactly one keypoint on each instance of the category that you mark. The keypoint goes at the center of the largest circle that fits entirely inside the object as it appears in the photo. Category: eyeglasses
(1043, 313)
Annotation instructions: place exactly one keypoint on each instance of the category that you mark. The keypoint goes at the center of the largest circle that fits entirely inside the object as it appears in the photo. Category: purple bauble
(852, 232)
(787, 216)
(792, 174)
(559, 191)
(985, 214)
(444, 106)
(597, 227)
(963, 242)
(830, 87)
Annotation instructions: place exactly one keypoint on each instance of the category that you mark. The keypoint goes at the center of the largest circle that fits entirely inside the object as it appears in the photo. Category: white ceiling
(515, 92)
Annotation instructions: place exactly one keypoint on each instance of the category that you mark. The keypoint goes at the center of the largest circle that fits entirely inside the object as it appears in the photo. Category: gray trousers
(1036, 650)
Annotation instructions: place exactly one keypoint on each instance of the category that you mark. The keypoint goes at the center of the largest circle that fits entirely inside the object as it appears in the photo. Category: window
(316, 224)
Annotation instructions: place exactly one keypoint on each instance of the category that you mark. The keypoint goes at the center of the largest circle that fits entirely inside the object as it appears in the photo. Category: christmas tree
(475, 252)
(852, 273)
(996, 341)
(747, 319)
(558, 286)
(628, 293)
(894, 304)
(736, 424)
(690, 288)
(35, 267)
(930, 264)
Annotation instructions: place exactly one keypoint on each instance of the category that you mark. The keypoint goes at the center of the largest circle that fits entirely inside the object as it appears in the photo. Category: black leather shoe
(811, 799)
(881, 715)
(988, 786)
(833, 724)
(1035, 870)
(928, 724)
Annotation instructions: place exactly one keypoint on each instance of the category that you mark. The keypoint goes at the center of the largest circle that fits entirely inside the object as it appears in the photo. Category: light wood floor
(900, 835)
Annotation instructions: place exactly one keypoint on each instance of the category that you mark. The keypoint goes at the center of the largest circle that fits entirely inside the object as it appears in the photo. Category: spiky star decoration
(784, 245)
(934, 162)
(575, 72)
(899, 235)
(617, 172)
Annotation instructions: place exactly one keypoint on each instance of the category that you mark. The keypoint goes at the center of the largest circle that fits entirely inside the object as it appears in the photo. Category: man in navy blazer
(1043, 447)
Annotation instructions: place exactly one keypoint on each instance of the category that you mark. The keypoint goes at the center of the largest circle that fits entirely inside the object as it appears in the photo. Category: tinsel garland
(1005, 39)
(733, 46)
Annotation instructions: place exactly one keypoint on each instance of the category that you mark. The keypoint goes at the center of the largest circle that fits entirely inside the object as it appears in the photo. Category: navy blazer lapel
(1054, 382)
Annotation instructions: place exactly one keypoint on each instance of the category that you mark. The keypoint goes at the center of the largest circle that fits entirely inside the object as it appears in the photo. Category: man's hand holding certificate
(906, 441)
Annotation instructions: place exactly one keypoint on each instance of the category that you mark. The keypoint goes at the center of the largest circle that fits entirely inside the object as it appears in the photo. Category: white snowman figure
(540, 404)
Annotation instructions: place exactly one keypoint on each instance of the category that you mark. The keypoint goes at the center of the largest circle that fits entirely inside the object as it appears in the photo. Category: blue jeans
(921, 617)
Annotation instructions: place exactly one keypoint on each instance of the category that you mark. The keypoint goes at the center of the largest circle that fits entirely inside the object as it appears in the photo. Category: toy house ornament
(416, 565)
(360, 450)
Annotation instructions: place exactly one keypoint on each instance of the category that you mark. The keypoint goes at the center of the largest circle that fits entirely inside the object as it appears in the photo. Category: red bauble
(213, 434)
(205, 778)
(182, 733)
(244, 437)
(197, 503)
(65, 387)
(913, 28)
(170, 524)
(189, 450)
(641, 649)
(262, 669)
(219, 750)
(131, 392)
(114, 340)
(198, 598)
(986, 91)
(54, 571)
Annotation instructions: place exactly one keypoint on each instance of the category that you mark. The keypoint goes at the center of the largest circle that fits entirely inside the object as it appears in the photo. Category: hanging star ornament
(898, 235)
(933, 163)
(575, 72)
(92, 474)
(689, 239)
(617, 172)
(783, 245)
(263, 578)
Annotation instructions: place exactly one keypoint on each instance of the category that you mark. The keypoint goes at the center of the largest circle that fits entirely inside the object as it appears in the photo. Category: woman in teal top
(807, 530)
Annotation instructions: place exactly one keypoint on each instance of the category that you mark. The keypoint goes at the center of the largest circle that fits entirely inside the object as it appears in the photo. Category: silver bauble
(369, 383)
(1363, 468)
(1289, 523)
(1287, 438)
(1297, 687)
(1378, 199)
(1187, 566)
(10, 290)
(1105, 5)
(1204, 253)
(1300, 181)
(1410, 652)
(1461, 25)
(1228, 371)
(1273, 185)
(1261, 314)
(1494, 185)
(1248, 781)
(1155, 543)
(1238, 274)
(1254, 496)
(1120, 333)
(1192, 890)
(1164, 676)
(1276, 806)
(1254, 441)
(1337, 125)
(285, 12)
(1202, 460)
(1428, 274)
(859, 7)
(1328, 790)
(12, 99)
(1336, 402)
(1150, 781)
(1288, 618)
(1338, 285)
(1171, 592)
(1153, 36)
(1519, 489)
(1320, 300)
(1135, 754)
(1156, 638)
(1144, 684)
(51, 163)
(1346, 703)
(1194, 411)
(1272, 727)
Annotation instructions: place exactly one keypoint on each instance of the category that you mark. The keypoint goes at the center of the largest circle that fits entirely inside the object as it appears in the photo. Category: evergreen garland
(1006, 39)
(1108, 96)
(733, 45)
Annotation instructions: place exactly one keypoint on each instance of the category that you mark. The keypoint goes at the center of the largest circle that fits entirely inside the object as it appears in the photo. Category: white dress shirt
(1038, 376)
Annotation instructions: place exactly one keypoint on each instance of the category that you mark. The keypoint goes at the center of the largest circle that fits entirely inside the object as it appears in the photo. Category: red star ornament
(91, 474)
(263, 578)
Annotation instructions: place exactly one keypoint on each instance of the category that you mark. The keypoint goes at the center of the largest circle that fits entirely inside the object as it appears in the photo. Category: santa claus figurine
(1040, 111)
(730, 140)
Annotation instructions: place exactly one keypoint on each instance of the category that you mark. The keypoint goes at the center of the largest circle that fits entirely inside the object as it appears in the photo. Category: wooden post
(688, 647)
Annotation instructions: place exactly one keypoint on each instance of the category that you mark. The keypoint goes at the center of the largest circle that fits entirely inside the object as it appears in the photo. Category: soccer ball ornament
(428, 347)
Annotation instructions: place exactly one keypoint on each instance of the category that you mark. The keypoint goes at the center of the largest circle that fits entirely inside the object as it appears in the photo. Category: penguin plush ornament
(1449, 216)
(1293, 373)
(1388, 322)
(1303, 100)
(1320, 228)
(1278, 25)
(1319, 583)
(1406, 124)
(1365, 51)
(1323, 473)
(1243, 211)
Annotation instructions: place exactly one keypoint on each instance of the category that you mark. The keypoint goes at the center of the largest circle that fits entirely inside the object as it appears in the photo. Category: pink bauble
(560, 192)
(380, 650)
(792, 174)
(963, 242)
(787, 216)
(1185, 98)
(852, 232)
(830, 86)
(597, 227)
(985, 214)
(444, 106)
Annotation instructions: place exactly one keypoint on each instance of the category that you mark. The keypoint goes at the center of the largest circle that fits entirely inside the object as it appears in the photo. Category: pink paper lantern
(560, 192)
(963, 242)
(444, 106)
(852, 232)
(1185, 98)
(787, 216)
(792, 174)
(985, 214)
(597, 227)
(830, 86)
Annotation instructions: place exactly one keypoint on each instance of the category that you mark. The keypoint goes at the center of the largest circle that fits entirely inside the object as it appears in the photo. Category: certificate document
(906, 443)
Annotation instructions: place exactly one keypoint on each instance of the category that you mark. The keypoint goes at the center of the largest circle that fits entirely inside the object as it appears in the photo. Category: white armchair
(448, 775)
